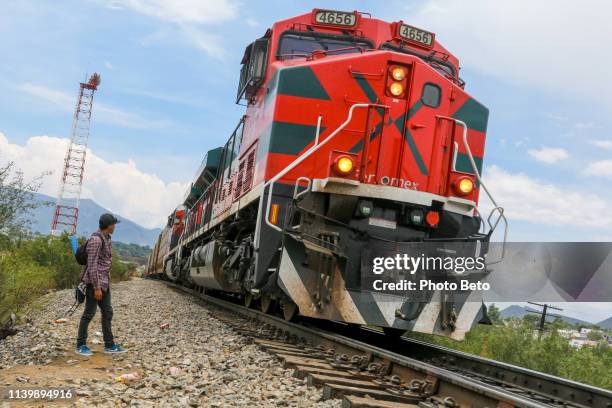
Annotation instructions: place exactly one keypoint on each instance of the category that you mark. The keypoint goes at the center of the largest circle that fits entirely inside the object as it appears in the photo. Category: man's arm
(93, 252)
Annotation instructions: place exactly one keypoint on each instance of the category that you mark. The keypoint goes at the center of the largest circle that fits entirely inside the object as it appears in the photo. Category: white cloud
(102, 112)
(164, 97)
(187, 16)
(602, 168)
(556, 117)
(209, 43)
(535, 201)
(536, 43)
(586, 125)
(108, 65)
(119, 186)
(549, 154)
(603, 144)
(181, 11)
(58, 98)
(190, 35)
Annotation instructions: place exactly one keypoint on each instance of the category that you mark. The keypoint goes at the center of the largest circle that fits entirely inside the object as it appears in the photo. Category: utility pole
(66, 212)
(543, 313)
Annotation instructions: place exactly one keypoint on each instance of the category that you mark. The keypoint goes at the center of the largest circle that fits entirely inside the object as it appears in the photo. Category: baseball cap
(107, 220)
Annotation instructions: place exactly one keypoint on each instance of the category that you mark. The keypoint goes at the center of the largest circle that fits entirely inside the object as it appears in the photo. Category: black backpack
(81, 254)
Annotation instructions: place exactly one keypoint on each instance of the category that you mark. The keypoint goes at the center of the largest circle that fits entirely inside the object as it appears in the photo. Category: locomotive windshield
(445, 68)
(300, 45)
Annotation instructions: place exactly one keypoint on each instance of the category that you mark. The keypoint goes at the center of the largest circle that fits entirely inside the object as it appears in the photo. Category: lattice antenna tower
(66, 212)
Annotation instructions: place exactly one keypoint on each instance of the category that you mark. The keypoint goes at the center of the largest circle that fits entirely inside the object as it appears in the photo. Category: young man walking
(98, 293)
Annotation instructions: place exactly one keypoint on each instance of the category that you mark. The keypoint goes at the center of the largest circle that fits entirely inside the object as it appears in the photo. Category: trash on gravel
(127, 378)
(164, 326)
(98, 334)
(23, 378)
(175, 371)
(61, 320)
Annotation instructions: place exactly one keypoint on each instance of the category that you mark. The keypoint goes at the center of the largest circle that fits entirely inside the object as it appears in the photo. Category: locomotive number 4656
(335, 18)
(416, 35)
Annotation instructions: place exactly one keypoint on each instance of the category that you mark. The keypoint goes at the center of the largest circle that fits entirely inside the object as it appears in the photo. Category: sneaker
(84, 351)
(114, 349)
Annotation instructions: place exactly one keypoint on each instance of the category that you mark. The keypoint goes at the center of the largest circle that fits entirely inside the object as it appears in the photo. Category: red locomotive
(358, 140)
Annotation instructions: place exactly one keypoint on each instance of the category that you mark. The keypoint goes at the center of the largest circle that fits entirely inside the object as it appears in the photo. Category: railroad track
(368, 369)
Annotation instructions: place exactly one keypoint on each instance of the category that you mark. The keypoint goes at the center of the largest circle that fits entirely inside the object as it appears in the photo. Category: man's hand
(98, 294)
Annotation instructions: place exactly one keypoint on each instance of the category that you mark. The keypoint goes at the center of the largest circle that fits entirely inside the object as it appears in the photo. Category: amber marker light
(396, 89)
(344, 165)
(398, 73)
(464, 186)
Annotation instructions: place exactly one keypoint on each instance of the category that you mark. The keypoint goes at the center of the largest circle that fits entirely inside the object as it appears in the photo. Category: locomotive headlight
(464, 186)
(396, 89)
(365, 208)
(344, 165)
(398, 73)
(417, 217)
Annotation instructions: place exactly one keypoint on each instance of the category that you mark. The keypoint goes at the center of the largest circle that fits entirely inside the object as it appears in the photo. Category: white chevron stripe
(343, 301)
(387, 304)
(290, 278)
(426, 321)
(468, 313)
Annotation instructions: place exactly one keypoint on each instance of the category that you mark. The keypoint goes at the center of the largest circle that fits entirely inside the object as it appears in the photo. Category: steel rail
(505, 374)
(517, 386)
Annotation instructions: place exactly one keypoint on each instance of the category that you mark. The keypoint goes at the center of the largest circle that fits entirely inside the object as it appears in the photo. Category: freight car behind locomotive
(358, 141)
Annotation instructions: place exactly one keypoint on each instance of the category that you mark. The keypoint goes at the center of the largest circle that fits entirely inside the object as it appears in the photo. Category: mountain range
(89, 211)
(520, 311)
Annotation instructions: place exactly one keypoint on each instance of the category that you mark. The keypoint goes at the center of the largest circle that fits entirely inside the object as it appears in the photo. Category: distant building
(567, 333)
(579, 343)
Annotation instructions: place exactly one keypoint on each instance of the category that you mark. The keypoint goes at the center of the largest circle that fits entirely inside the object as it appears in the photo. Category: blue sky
(169, 76)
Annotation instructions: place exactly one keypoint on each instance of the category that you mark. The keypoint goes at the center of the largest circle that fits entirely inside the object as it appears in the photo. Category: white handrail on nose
(293, 164)
(471, 157)
(495, 206)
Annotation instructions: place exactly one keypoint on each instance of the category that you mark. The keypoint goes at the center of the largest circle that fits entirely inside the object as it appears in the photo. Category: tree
(16, 200)
(531, 319)
(494, 314)
(595, 335)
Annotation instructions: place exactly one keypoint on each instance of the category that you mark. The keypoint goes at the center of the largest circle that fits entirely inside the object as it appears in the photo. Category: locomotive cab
(253, 71)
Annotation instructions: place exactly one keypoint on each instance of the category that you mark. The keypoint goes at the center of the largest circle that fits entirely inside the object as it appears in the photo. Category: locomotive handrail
(299, 160)
(372, 74)
(297, 195)
(496, 208)
(319, 119)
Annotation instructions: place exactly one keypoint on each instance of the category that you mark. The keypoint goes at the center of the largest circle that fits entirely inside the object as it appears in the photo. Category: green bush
(54, 254)
(516, 342)
(21, 280)
(30, 267)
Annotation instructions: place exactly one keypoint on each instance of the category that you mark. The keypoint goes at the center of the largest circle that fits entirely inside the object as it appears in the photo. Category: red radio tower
(67, 205)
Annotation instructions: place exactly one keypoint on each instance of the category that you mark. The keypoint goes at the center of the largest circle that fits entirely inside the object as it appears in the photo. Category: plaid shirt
(99, 259)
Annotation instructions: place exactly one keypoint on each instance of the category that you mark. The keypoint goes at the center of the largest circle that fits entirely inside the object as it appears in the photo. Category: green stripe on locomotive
(474, 114)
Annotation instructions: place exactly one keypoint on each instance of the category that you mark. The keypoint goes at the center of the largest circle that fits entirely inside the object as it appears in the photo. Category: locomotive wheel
(266, 303)
(248, 300)
(290, 309)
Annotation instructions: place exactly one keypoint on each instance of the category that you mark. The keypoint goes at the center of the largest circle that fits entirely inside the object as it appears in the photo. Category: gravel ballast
(196, 361)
